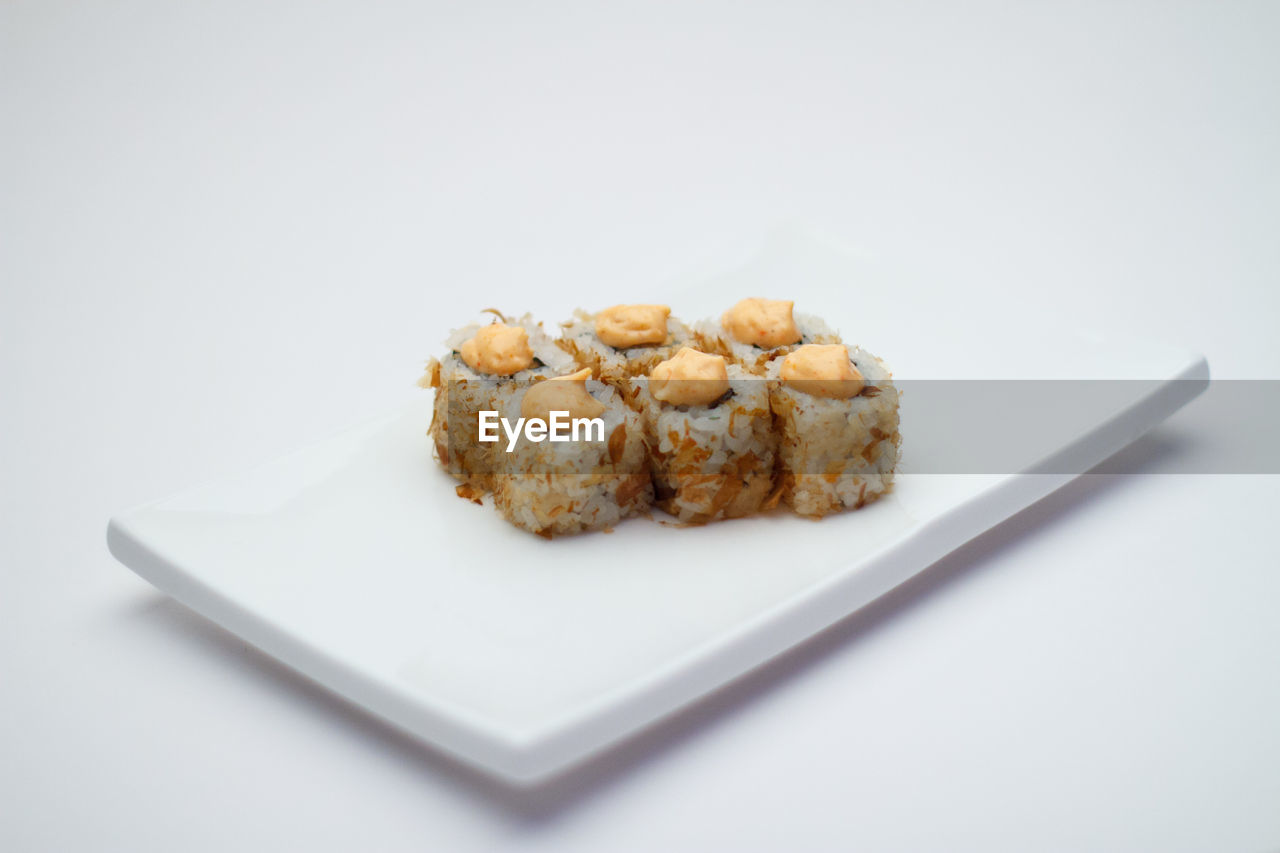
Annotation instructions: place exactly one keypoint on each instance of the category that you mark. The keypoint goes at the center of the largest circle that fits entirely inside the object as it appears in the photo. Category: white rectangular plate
(353, 561)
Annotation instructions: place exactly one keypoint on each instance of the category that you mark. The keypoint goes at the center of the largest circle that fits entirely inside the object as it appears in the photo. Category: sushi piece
(837, 415)
(711, 440)
(486, 364)
(623, 341)
(754, 332)
(590, 482)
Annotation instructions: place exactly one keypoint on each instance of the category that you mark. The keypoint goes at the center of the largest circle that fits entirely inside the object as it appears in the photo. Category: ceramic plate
(354, 562)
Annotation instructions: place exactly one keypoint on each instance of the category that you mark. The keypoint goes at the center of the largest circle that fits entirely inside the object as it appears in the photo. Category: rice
(712, 461)
(836, 454)
(462, 393)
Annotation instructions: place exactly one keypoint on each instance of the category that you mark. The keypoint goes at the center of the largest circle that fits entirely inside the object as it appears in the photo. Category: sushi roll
(837, 415)
(754, 332)
(711, 440)
(590, 482)
(623, 341)
(486, 364)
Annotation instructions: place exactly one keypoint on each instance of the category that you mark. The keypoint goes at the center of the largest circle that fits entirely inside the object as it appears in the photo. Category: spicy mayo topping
(762, 322)
(562, 394)
(691, 378)
(498, 349)
(632, 325)
(822, 370)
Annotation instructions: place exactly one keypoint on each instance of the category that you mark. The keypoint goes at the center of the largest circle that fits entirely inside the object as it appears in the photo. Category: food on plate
(756, 331)
(485, 365)
(837, 423)
(712, 441)
(624, 340)
(629, 409)
(590, 482)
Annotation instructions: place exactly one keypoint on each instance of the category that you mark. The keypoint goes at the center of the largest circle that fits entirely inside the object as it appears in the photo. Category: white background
(227, 229)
